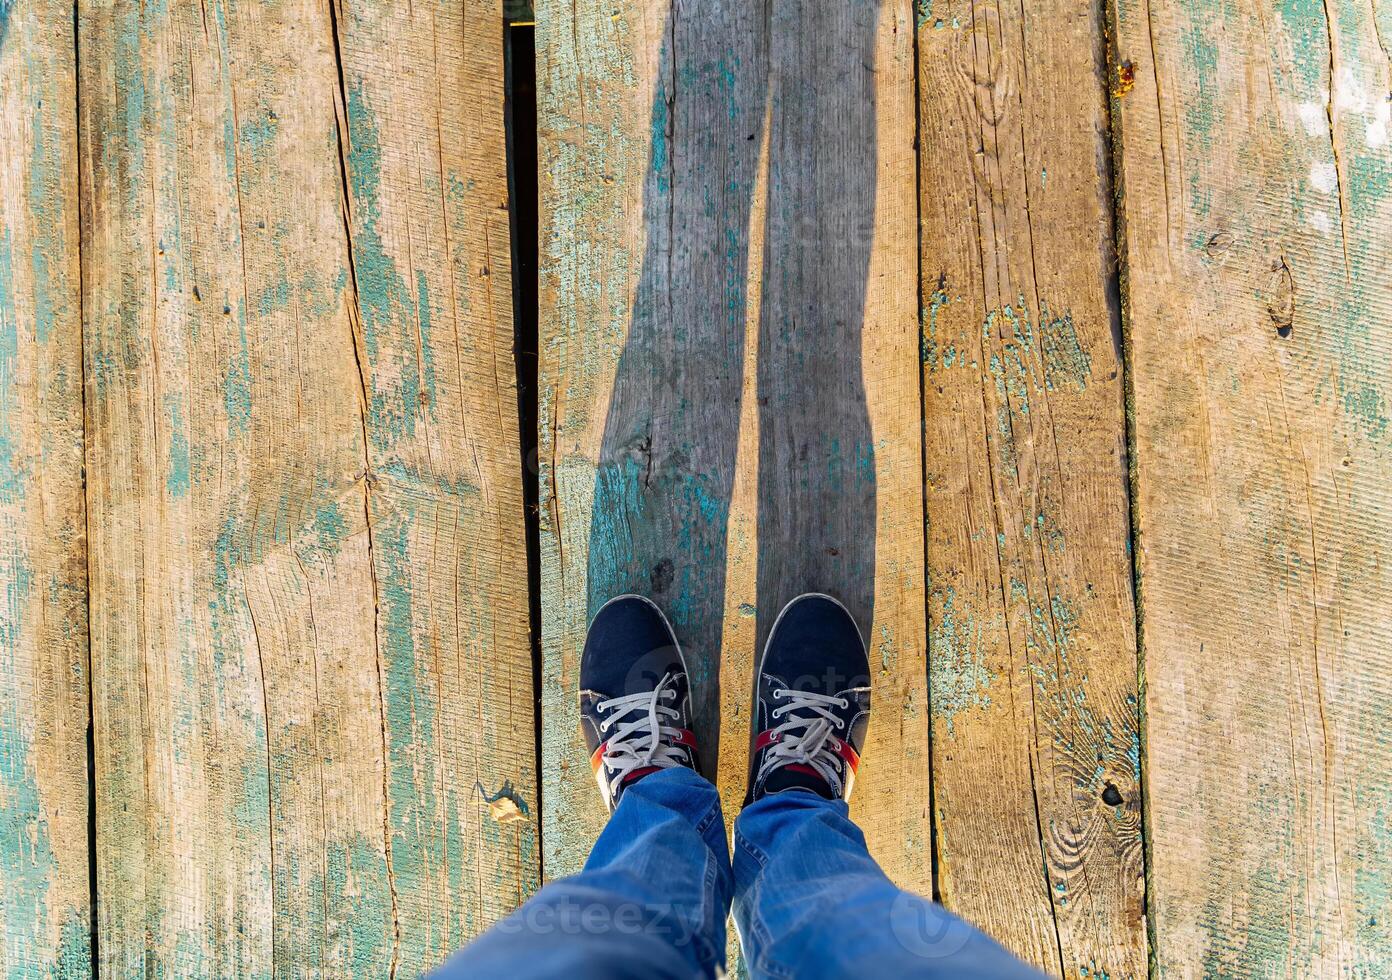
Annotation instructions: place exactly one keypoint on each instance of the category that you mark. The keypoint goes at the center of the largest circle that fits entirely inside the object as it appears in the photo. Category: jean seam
(708, 818)
(710, 871)
(761, 934)
(754, 852)
(758, 927)
(705, 914)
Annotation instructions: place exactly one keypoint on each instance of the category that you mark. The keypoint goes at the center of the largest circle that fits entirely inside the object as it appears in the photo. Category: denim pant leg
(811, 902)
(651, 902)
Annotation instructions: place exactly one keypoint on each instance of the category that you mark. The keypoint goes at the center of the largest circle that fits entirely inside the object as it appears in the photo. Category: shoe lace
(645, 740)
(814, 744)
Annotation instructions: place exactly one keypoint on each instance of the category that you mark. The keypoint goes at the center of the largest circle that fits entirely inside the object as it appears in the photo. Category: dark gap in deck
(93, 937)
(1109, 65)
(933, 856)
(519, 60)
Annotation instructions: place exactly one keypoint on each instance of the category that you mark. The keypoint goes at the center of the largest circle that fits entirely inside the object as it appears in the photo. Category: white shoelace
(815, 745)
(626, 749)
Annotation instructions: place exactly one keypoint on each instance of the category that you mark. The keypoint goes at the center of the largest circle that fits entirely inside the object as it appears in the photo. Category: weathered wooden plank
(1032, 640)
(427, 172)
(666, 243)
(240, 779)
(45, 911)
(1257, 181)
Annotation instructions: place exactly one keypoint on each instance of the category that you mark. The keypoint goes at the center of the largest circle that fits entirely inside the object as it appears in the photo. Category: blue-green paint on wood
(12, 468)
(177, 481)
(236, 387)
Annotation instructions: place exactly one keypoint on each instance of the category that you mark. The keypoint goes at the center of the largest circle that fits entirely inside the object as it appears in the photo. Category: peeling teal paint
(660, 116)
(413, 478)
(1046, 355)
(74, 946)
(1201, 55)
(252, 806)
(258, 136)
(358, 895)
(236, 388)
(274, 297)
(26, 857)
(388, 306)
(427, 348)
(728, 88)
(1268, 945)
(865, 463)
(1372, 880)
(410, 729)
(44, 181)
(958, 676)
(227, 552)
(930, 353)
(13, 470)
(123, 152)
(177, 482)
(1304, 23)
(329, 527)
(1066, 362)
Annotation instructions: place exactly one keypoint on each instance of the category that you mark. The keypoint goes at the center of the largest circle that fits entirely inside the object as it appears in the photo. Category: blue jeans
(652, 901)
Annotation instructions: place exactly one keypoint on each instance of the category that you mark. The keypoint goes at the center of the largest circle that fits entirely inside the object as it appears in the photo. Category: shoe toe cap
(628, 640)
(818, 630)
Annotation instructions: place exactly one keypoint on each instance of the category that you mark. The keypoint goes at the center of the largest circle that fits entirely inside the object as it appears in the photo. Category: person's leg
(654, 894)
(809, 899)
(811, 902)
(651, 901)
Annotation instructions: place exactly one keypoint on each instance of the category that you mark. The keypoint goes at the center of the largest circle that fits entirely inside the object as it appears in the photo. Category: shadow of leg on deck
(816, 457)
(667, 460)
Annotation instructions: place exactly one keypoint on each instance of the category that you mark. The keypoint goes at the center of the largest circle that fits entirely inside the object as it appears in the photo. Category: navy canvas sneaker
(812, 702)
(635, 705)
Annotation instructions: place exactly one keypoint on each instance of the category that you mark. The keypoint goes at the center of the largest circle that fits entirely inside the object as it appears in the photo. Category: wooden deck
(1055, 337)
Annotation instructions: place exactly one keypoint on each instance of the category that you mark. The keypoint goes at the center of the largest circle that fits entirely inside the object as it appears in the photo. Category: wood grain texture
(45, 904)
(427, 175)
(240, 778)
(712, 171)
(1257, 179)
(1032, 643)
(313, 678)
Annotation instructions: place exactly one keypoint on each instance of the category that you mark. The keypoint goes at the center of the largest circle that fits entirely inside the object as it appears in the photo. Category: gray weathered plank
(240, 790)
(718, 178)
(426, 164)
(1032, 637)
(45, 905)
(1257, 177)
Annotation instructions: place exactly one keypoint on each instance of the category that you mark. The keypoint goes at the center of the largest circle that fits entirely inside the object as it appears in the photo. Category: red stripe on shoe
(843, 748)
(684, 737)
(639, 772)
